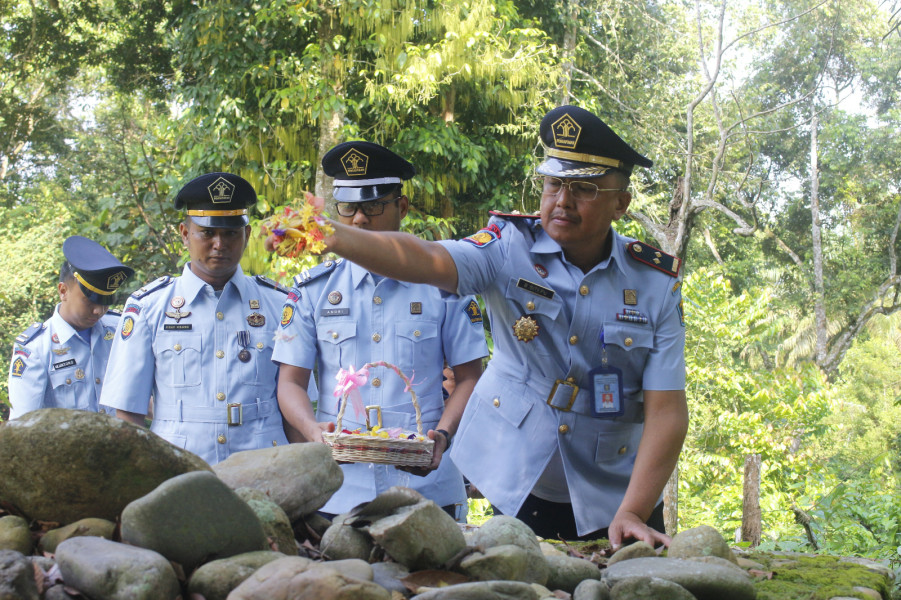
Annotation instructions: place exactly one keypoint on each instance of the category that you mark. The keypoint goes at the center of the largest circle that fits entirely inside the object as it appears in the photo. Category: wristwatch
(446, 436)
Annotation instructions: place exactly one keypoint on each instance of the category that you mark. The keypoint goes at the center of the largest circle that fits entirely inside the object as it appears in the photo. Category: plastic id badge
(606, 392)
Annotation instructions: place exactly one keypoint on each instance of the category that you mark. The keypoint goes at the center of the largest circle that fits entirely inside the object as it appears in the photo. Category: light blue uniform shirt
(57, 368)
(178, 342)
(338, 316)
(509, 435)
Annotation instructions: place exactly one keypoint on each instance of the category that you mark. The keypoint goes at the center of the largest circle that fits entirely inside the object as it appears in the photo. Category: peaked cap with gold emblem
(217, 200)
(98, 273)
(364, 171)
(578, 144)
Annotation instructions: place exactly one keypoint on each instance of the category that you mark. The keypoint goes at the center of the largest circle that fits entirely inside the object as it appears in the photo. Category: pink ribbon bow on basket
(348, 383)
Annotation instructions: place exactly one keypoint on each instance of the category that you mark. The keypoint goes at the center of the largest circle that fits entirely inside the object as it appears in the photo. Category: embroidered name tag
(335, 312)
(535, 288)
(177, 327)
(64, 364)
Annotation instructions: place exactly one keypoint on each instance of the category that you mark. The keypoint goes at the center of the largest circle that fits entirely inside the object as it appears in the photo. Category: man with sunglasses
(61, 363)
(578, 421)
(339, 316)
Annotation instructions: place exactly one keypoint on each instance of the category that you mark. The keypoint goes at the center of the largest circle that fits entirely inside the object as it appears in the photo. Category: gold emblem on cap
(566, 132)
(525, 328)
(334, 297)
(355, 162)
(221, 191)
(115, 280)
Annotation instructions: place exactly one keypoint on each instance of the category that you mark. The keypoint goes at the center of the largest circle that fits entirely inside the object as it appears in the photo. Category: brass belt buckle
(235, 413)
(572, 397)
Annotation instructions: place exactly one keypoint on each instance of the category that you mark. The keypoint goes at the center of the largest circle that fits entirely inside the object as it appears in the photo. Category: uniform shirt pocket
(617, 445)
(66, 388)
(178, 359)
(506, 399)
(413, 340)
(259, 368)
(627, 347)
(337, 342)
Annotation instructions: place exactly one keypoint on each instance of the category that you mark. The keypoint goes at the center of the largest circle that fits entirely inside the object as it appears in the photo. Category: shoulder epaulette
(153, 286)
(653, 257)
(271, 283)
(316, 272)
(30, 333)
(514, 215)
(114, 312)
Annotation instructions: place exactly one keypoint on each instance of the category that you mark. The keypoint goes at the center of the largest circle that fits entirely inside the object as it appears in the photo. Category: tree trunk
(329, 123)
(671, 504)
(750, 502)
(817, 240)
(570, 35)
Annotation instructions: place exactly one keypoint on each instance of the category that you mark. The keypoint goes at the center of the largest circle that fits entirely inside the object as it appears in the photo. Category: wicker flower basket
(352, 447)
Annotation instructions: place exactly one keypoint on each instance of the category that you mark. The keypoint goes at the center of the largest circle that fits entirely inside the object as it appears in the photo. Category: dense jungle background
(773, 126)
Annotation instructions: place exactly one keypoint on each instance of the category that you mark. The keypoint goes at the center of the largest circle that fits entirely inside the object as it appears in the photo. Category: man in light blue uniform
(61, 363)
(340, 315)
(579, 419)
(201, 344)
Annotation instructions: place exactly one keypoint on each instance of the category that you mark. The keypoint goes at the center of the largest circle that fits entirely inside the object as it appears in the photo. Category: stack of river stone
(96, 507)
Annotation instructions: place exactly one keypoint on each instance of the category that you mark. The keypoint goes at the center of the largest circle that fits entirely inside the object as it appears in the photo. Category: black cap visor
(364, 193)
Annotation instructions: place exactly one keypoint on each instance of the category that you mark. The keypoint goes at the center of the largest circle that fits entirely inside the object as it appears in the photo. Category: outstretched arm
(666, 423)
(396, 255)
(294, 402)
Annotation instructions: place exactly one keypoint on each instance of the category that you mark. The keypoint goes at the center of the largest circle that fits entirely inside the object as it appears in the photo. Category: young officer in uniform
(339, 315)
(201, 344)
(61, 363)
(579, 419)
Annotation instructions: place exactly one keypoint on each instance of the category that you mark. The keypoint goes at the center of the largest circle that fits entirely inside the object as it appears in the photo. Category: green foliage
(737, 410)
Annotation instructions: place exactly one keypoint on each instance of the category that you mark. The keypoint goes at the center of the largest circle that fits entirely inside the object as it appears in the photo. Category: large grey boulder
(567, 572)
(591, 589)
(700, 541)
(705, 581)
(17, 577)
(15, 535)
(295, 578)
(343, 541)
(63, 465)
(482, 590)
(109, 570)
(419, 536)
(506, 562)
(193, 518)
(298, 477)
(648, 588)
(216, 579)
(275, 522)
(503, 529)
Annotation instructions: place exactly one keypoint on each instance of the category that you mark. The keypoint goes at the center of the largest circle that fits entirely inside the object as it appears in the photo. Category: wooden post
(750, 504)
(671, 504)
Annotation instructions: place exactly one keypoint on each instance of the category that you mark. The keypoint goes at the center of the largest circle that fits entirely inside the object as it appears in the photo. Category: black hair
(66, 272)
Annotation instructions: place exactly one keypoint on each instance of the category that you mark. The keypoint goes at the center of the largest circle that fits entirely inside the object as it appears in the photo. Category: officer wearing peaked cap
(578, 421)
(340, 315)
(201, 344)
(62, 362)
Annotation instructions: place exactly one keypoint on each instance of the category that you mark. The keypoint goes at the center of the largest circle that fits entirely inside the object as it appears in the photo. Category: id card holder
(606, 388)
(606, 392)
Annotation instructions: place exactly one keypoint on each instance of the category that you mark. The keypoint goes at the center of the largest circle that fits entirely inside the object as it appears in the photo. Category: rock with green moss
(92, 527)
(15, 535)
(62, 465)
